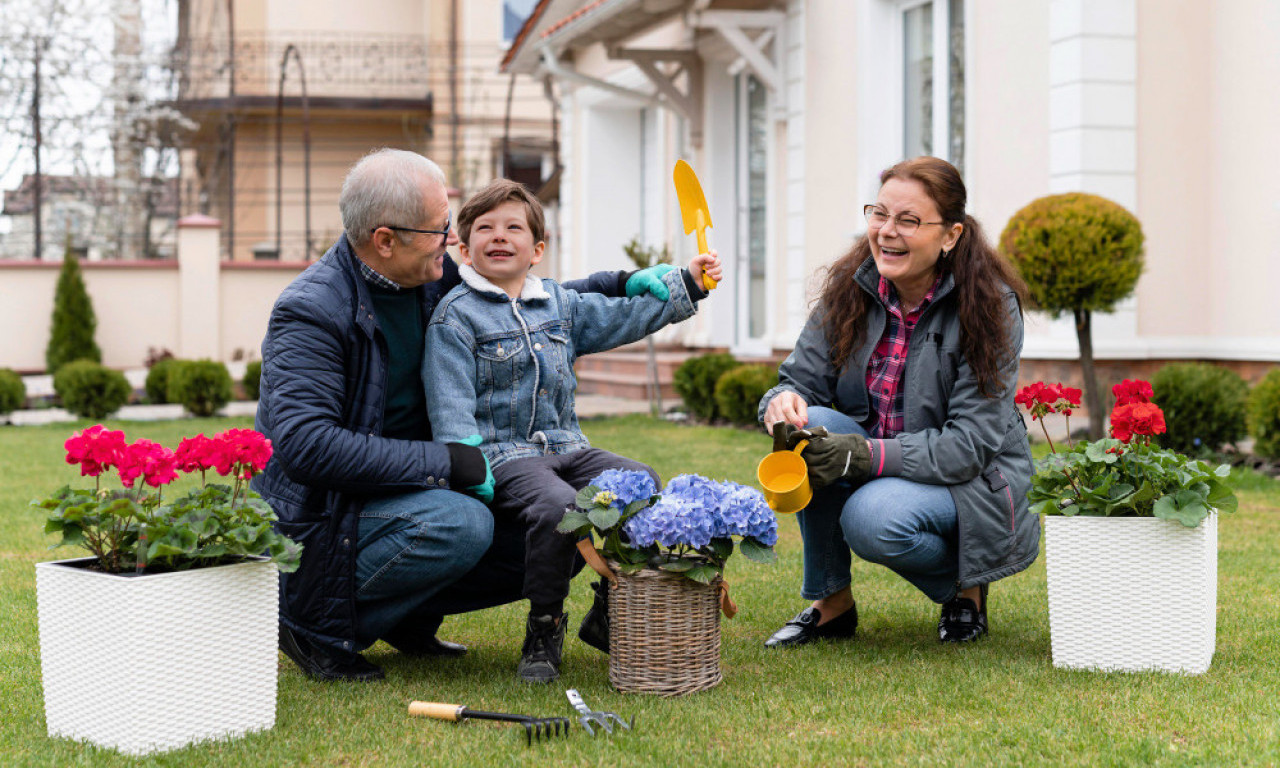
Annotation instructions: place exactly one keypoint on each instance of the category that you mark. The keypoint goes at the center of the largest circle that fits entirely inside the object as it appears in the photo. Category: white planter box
(1129, 594)
(150, 663)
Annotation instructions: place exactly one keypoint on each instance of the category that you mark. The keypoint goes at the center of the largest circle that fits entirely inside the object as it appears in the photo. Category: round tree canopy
(1076, 251)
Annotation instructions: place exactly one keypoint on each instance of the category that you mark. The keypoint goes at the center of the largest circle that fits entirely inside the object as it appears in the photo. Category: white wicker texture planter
(1130, 594)
(150, 663)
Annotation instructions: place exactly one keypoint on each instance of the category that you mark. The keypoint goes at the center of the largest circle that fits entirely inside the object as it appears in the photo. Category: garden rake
(589, 716)
(534, 727)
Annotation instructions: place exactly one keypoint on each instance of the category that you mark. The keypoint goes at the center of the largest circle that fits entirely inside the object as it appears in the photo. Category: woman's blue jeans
(906, 526)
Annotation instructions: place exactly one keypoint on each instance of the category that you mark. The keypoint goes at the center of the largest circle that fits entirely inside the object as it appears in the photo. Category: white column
(198, 288)
(1092, 124)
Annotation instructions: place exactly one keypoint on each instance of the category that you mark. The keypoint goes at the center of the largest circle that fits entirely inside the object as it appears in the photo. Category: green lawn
(895, 696)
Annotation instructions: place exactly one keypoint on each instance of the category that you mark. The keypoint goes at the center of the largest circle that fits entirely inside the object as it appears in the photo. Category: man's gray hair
(385, 188)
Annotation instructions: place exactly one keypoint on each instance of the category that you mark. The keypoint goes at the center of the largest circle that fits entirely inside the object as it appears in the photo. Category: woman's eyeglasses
(905, 223)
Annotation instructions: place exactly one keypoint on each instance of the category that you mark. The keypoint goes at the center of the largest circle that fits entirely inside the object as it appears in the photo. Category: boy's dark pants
(537, 490)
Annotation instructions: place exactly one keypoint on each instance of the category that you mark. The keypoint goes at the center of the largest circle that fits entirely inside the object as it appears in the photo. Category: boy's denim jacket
(502, 368)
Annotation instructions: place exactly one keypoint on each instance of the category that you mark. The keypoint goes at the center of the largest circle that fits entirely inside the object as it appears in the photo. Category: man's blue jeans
(426, 554)
(906, 526)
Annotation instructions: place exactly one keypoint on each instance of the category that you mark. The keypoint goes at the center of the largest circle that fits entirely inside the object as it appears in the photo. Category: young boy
(498, 370)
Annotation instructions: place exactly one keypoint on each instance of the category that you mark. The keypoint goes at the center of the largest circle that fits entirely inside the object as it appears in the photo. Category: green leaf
(573, 521)
(604, 518)
(722, 548)
(584, 498)
(632, 568)
(756, 552)
(1184, 507)
(635, 507)
(680, 565)
(702, 573)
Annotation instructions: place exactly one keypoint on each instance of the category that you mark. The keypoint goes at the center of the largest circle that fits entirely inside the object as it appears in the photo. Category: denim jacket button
(538, 345)
(431, 479)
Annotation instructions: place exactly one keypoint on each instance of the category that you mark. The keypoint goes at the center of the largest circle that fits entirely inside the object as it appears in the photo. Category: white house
(789, 109)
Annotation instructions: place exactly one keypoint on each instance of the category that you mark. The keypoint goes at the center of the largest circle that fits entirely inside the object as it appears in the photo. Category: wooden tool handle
(438, 710)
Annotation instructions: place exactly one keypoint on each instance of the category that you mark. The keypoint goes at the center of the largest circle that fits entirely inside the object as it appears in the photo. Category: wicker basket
(664, 633)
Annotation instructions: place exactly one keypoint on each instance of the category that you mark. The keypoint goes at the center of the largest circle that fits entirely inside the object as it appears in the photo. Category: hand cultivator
(534, 727)
(589, 716)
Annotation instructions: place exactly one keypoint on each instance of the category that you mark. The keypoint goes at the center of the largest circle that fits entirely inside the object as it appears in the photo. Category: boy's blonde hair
(494, 194)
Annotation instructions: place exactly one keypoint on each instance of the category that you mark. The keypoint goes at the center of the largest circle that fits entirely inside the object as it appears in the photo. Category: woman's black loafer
(962, 621)
(804, 628)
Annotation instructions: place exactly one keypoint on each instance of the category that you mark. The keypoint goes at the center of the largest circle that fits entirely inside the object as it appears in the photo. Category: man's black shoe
(962, 621)
(595, 625)
(321, 664)
(804, 628)
(543, 642)
(415, 644)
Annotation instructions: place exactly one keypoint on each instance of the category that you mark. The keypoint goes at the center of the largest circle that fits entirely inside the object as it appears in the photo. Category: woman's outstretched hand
(788, 407)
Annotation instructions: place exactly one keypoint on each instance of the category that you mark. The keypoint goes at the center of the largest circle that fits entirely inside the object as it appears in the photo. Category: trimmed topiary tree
(695, 381)
(1203, 404)
(738, 391)
(1264, 415)
(13, 393)
(1079, 253)
(202, 386)
(90, 390)
(74, 323)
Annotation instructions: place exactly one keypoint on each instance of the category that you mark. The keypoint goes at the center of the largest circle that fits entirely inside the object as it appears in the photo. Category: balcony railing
(336, 63)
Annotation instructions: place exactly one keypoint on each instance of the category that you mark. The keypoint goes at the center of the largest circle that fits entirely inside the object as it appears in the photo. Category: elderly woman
(909, 363)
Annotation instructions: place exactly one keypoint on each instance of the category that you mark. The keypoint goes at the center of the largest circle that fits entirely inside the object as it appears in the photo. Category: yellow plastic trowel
(694, 210)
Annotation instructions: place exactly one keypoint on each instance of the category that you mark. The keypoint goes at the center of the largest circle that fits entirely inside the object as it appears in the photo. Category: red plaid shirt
(889, 361)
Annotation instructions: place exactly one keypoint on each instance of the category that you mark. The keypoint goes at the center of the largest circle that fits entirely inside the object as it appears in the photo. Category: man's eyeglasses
(448, 225)
(906, 223)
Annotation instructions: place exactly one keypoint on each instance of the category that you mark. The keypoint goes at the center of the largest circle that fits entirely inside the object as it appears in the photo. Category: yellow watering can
(785, 480)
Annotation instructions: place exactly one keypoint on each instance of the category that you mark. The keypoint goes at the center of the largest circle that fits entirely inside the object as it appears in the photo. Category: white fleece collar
(532, 286)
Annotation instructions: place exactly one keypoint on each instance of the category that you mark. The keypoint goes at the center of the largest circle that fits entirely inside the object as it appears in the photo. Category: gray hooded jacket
(952, 435)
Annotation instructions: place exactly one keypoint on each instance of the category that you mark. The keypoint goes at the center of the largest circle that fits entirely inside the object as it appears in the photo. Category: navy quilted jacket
(324, 372)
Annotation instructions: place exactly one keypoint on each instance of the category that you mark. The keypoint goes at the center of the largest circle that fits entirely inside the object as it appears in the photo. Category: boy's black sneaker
(543, 642)
(595, 625)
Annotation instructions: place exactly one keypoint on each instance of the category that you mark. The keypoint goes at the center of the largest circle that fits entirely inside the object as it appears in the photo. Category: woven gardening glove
(649, 280)
(837, 457)
(787, 436)
(483, 491)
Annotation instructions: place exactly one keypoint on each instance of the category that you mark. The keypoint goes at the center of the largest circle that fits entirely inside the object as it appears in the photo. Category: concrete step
(624, 385)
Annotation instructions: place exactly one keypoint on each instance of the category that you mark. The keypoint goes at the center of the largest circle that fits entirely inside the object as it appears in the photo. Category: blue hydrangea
(744, 512)
(671, 522)
(627, 485)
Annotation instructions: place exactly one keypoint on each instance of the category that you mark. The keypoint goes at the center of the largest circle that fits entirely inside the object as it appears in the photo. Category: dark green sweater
(404, 328)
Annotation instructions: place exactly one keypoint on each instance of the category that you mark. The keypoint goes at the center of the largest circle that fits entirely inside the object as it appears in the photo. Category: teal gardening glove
(483, 491)
(649, 280)
(837, 457)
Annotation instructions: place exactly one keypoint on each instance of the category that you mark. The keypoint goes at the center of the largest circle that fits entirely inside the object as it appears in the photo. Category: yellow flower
(604, 498)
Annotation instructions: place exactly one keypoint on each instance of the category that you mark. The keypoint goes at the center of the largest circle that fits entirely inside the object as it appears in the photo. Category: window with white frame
(932, 41)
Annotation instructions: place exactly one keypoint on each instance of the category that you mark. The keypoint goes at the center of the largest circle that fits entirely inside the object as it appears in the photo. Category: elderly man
(394, 535)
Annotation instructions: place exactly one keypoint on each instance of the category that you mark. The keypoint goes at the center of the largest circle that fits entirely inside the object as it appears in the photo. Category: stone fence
(195, 306)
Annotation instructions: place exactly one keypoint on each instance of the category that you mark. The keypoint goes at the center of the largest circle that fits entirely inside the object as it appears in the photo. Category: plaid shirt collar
(376, 279)
(888, 360)
(892, 302)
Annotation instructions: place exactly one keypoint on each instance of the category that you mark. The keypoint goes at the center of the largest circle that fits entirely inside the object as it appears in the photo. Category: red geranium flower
(196, 454)
(1135, 391)
(242, 451)
(1132, 419)
(96, 449)
(151, 461)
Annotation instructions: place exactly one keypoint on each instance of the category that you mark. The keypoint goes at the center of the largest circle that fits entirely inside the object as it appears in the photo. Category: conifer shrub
(201, 386)
(90, 390)
(252, 379)
(695, 382)
(1203, 404)
(738, 391)
(1264, 415)
(157, 384)
(74, 323)
(13, 393)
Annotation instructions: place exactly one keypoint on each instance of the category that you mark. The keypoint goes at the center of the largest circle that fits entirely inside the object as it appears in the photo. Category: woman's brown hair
(982, 276)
